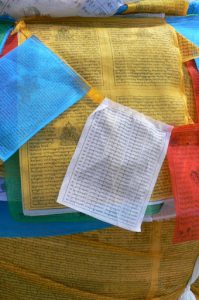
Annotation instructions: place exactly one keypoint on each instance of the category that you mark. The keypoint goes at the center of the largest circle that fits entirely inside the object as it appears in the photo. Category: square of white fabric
(115, 166)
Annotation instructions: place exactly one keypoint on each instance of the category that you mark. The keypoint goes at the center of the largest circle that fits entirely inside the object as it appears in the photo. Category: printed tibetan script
(115, 166)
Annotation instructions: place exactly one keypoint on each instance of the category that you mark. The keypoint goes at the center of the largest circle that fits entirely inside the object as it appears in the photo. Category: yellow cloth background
(169, 7)
(108, 53)
(110, 264)
(100, 265)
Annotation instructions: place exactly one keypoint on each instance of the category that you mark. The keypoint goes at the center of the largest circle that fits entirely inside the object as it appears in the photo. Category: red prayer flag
(183, 158)
(193, 71)
(11, 43)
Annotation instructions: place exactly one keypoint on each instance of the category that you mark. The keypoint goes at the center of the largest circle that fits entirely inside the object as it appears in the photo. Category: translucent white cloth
(59, 8)
(188, 295)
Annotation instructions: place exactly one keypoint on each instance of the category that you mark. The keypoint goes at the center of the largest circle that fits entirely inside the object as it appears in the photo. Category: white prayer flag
(115, 166)
(59, 8)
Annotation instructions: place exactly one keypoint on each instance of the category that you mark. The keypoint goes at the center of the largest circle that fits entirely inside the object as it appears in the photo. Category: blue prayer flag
(36, 87)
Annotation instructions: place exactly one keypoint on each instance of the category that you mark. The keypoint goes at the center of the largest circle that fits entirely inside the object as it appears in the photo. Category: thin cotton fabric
(109, 264)
(11, 43)
(169, 7)
(11, 228)
(194, 73)
(188, 27)
(39, 86)
(106, 64)
(60, 8)
(183, 157)
(188, 295)
(13, 187)
(3, 196)
(193, 8)
(115, 166)
(15, 205)
(6, 26)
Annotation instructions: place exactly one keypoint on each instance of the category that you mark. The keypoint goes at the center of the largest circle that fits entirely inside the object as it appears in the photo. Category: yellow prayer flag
(136, 62)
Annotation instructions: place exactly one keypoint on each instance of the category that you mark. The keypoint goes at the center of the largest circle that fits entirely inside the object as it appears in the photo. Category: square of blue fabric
(36, 87)
(188, 27)
(197, 63)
